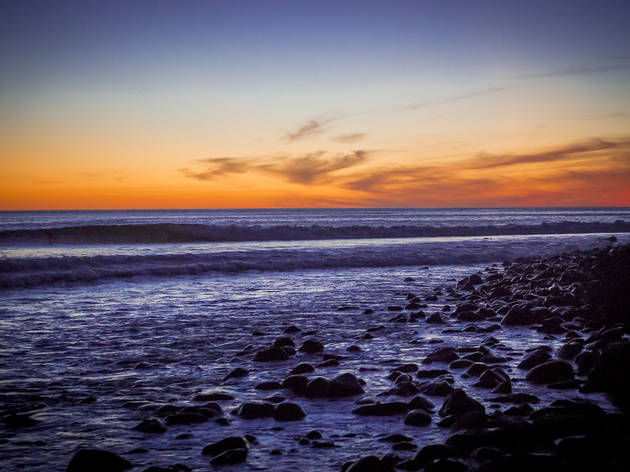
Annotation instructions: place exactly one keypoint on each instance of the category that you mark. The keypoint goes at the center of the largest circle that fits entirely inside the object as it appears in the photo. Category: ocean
(107, 315)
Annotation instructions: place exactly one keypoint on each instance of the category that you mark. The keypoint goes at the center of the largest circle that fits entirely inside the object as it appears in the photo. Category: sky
(252, 104)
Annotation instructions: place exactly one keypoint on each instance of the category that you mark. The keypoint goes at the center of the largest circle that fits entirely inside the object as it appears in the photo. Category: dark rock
(230, 457)
(212, 396)
(396, 437)
(406, 368)
(441, 354)
(520, 315)
(237, 373)
(253, 410)
(311, 346)
(97, 460)
(436, 389)
(431, 373)
(233, 442)
(18, 420)
(353, 348)
(302, 368)
(420, 403)
(516, 398)
(550, 372)
(369, 464)
(485, 453)
(274, 353)
(457, 403)
(570, 350)
(417, 418)
(186, 417)
(382, 409)
(284, 341)
(460, 364)
(533, 359)
(288, 412)
(152, 425)
(313, 435)
(404, 446)
(328, 363)
(271, 385)
(446, 465)
(296, 383)
(436, 318)
(291, 329)
(611, 374)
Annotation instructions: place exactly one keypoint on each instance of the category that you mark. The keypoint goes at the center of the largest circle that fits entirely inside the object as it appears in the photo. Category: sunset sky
(237, 104)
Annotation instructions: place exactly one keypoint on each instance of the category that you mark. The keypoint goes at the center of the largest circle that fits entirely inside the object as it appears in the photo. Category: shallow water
(66, 343)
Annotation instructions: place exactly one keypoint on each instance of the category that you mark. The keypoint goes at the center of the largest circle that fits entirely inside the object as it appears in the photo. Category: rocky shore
(490, 401)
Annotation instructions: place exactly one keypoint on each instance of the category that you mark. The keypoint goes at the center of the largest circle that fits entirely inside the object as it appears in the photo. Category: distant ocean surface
(106, 313)
(48, 247)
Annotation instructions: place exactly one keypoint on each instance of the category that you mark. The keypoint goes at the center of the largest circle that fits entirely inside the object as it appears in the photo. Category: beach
(353, 353)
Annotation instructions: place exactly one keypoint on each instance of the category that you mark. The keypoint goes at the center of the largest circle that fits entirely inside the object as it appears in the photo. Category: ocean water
(106, 315)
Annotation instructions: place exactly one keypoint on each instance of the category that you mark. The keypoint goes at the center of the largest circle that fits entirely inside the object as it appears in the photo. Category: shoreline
(476, 393)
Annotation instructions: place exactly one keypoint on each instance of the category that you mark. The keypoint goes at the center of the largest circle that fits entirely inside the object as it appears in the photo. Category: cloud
(568, 152)
(577, 71)
(454, 98)
(308, 169)
(311, 128)
(217, 166)
(348, 138)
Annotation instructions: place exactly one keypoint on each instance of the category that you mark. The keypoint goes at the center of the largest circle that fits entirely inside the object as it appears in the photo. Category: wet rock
(417, 418)
(253, 410)
(460, 364)
(406, 368)
(421, 403)
(271, 385)
(230, 457)
(186, 418)
(288, 412)
(521, 463)
(153, 426)
(345, 385)
(516, 398)
(457, 403)
(274, 353)
(523, 316)
(429, 454)
(368, 464)
(382, 409)
(396, 437)
(296, 383)
(237, 373)
(302, 368)
(446, 465)
(611, 374)
(441, 354)
(291, 329)
(97, 460)
(284, 341)
(550, 372)
(233, 442)
(436, 388)
(19, 420)
(311, 346)
(436, 318)
(483, 454)
(312, 435)
(404, 446)
(471, 419)
(431, 373)
(492, 378)
(353, 348)
(328, 363)
(477, 369)
(534, 358)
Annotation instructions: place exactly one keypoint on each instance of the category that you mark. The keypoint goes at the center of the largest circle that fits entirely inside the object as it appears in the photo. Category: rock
(457, 403)
(284, 341)
(253, 410)
(492, 378)
(353, 348)
(186, 417)
(570, 350)
(152, 425)
(535, 358)
(291, 329)
(436, 318)
(344, 385)
(18, 420)
(313, 435)
(311, 346)
(230, 457)
(296, 383)
(436, 388)
(431, 373)
(520, 315)
(274, 353)
(441, 354)
(369, 464)
(421, 403)
(233, 442)
(611, 374)
(429, 454)
(417, 418)
(485, 453)
(446, 465)
(237, 373)
(404, 446)
(382, 409)
(302, 368)
(516, 398)
(406, 368)
(550, 372)
(97, 460)
(328, 363)
(460, 364)
(288, 412)
(271, 385)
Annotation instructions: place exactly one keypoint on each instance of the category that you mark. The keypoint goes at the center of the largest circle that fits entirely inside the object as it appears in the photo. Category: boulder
(457, 403)
(382, 409)
(253, 410)
(550, 372)
(233, 442)
(417, 418)
(152, 425)
(230, 457)
(311, 346)
(288, 412)
(97, 460)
